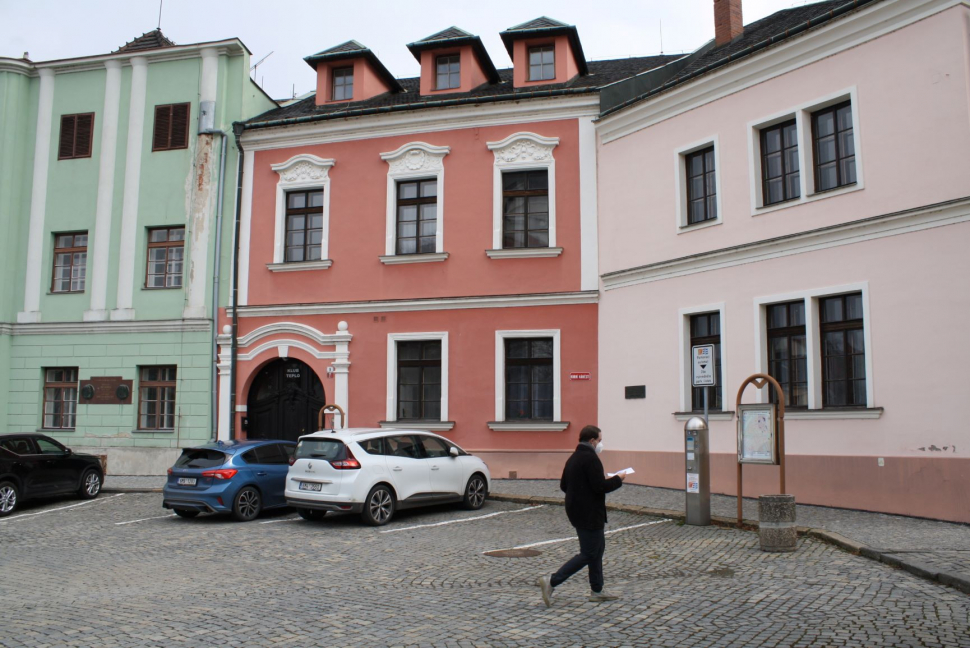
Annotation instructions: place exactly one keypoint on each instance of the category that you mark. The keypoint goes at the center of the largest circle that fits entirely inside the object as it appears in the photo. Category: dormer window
(343, 83)
(542, 63)
(448, 72)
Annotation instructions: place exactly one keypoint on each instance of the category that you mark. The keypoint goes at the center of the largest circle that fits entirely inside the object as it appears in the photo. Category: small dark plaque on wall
(103, 390)
(636, 391)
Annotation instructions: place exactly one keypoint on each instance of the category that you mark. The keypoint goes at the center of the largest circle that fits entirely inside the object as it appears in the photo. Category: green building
(117, 195)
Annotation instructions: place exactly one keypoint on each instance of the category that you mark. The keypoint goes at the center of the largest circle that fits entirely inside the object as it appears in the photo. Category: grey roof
(451, 37)
(542, 22)
(601, 73)
(445, 34)
(544, 26)
(154, 39)
(343, 48)
(350, 50)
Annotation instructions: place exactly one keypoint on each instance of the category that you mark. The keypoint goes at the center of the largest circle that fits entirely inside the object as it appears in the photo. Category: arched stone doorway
(284, 401)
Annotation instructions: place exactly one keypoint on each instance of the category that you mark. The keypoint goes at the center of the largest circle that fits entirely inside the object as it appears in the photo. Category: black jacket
(586, 487)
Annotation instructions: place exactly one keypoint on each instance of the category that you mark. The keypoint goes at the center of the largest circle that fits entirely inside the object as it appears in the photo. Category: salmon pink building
(423, 252)
(797, 196)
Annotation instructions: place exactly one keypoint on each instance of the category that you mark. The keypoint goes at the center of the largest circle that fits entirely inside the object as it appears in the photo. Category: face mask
(599, 447)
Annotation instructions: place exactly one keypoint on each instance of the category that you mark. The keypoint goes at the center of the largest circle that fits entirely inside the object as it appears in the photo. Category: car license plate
(310, 486)
(186, 481)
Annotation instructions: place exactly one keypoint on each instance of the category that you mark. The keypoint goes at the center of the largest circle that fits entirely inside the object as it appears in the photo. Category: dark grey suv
(34, 465)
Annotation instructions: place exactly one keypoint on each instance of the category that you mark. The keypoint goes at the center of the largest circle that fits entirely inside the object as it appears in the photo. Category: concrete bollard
(776, 522)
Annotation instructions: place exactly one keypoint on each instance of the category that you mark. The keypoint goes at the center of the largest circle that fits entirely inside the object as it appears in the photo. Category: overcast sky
(293, 29)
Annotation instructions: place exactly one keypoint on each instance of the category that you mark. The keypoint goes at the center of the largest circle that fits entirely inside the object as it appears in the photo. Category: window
(49, 446)
(156, 398)
(304, 226)
(448, 70)
(343, 83)
(166, 251)
(843, 351)
(77, 131)
(434, 448)
(60, 398)
(171, 127)
(529, 379)
(525, 209)
(417, 216)
(705, 328)
(70, 262)
(787, 355)
(701, 186)
(779, 163)
(542, 63)
(834, 147)
(419, 380)
(373, 446)
(403, 446)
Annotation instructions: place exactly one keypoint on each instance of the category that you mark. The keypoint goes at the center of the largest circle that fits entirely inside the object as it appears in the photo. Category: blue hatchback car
(237, 477)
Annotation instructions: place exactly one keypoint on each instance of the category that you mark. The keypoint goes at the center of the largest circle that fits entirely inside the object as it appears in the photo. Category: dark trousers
(592, 544)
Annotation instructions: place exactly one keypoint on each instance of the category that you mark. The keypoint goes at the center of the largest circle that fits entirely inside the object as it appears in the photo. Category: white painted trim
(129, 206)
(413, 305)
(713, 416)
(101, 250)
(229, 47)
(304, 330)
(110, 328)
(813, 340)
(37, 238)
(834, 414)
(527, 253)
(840, 35)
(444, 426)
(245, 227)
(683, 332)
(500, 337)
(588, 215)
(392, 340)
(680, 172)
(911, 220)
(413, 161)
(520, 426)
(299, 267)
(413, 122)
(209, 83)
(282, 348)
(304, 171)
(522, 151)
(401, 259)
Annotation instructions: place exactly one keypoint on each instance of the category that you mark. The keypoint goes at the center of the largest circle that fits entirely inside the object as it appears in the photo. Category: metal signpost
(697, 453)
(702, 372)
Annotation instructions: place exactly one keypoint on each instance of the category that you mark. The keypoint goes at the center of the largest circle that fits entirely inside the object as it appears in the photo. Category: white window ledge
(297, 266)
(528, 426)
(524, 253)
(396, 259)
(683, 229)
(861, 413)
(711, 416)
(430, 426)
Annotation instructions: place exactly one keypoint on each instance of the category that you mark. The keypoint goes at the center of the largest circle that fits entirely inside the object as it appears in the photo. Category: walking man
(586, 487)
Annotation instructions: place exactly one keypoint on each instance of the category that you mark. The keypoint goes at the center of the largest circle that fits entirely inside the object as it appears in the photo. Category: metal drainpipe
(237, 129)
(216, 272)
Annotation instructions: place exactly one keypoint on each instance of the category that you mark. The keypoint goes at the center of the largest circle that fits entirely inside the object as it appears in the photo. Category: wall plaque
(104, 391)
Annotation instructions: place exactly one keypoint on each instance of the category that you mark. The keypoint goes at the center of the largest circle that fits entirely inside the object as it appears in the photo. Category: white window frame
(556, 424)
(414, 161)
(391, 414)
(683, 319)
(680, 173)
(522, 151)
(813, 341)
(806, 154)
(301, 172)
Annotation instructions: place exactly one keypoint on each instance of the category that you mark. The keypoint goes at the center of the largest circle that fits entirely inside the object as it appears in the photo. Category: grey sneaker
(545, 585)
(600, 597)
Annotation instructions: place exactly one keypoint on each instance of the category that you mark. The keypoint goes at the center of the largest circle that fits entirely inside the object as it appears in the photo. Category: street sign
(579, 375)
(702, 357)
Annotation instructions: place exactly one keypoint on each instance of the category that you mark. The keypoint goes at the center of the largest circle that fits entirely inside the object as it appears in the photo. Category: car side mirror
(453, 451)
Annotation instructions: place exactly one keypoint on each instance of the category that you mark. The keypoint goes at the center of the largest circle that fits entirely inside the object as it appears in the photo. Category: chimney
(728, 23)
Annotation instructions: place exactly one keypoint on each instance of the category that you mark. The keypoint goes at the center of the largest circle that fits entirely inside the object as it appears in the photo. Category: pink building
(423, 252)
(798, 196)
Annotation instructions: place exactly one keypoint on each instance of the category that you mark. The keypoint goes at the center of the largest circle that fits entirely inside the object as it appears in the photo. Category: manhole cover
(513, 553)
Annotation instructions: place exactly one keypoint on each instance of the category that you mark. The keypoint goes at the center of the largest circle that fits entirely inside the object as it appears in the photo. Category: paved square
(120, 571)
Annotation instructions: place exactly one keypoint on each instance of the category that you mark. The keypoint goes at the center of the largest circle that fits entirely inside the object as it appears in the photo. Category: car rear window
(197, 458)
(328, 449)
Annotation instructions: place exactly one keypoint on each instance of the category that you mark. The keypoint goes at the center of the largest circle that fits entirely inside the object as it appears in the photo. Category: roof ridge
(539, 23)
(460, 33)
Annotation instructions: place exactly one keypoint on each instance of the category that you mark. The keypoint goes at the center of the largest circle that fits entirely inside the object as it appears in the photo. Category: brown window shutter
(65, 148)
(83, 135)
(180, 126)
(163, 127)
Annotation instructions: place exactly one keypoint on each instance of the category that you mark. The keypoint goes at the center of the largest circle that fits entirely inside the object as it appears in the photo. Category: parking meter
(698, 468)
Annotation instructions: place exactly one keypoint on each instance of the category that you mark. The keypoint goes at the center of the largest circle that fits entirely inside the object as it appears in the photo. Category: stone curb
(135, 489)
(830, 537)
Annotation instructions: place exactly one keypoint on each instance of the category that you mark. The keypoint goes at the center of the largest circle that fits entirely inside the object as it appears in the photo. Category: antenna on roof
(259, 62)
(160, 14)
(661, 36)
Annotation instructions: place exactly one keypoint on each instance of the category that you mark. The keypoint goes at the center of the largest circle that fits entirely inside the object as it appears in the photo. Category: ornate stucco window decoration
(414, 161)
(302, 171)
(522, 152)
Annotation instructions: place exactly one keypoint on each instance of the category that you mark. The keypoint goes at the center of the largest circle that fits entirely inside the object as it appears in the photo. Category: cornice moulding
(105, 328)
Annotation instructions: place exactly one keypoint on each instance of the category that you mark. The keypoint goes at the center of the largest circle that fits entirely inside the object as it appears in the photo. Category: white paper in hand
(625, 471)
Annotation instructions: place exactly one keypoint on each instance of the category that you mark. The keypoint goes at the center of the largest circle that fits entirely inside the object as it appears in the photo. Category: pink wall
(472, 75)
(565, 60)
(367, 83)
(358, 224)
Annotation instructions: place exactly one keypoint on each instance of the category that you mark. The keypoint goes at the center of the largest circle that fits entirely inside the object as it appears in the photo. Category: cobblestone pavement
(122, 571)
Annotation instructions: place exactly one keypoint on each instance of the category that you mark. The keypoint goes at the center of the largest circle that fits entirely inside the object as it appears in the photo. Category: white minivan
(375, 472)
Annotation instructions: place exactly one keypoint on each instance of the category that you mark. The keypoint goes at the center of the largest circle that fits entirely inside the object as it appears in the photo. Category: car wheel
(90, 485)
(379, 506)
(311, 514)
(475, 493)
(247, 504)
(185, 513)
(8, 498)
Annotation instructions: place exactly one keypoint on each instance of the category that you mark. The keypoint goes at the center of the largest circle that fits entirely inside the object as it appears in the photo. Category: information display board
(757, 441)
